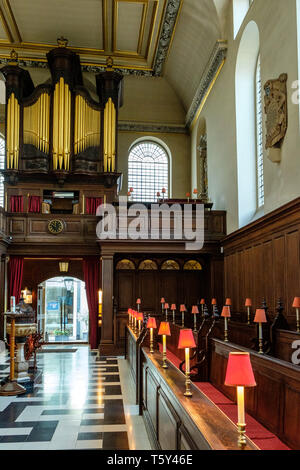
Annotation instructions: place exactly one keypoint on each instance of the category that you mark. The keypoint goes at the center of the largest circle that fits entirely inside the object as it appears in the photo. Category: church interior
(121, 122)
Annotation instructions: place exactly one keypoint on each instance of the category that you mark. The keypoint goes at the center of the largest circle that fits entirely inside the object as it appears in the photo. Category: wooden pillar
(107, 345)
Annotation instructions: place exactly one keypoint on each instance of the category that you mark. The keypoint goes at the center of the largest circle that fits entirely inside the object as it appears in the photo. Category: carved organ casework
(276, 115)
(57, 127)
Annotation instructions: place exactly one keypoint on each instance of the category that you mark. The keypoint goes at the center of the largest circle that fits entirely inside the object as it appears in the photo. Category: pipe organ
(58, 128)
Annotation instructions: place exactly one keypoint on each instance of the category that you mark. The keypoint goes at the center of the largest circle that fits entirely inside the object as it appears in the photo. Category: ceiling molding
(171, 17)
(208, 79)
(130, 126)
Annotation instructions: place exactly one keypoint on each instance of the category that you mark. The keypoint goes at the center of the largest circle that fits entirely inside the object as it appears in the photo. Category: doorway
(62, 310)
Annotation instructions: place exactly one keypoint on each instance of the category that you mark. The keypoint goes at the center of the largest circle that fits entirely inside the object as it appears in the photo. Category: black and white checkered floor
(76, 404)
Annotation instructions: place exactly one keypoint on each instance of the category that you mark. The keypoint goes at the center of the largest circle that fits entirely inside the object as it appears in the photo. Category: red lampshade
(151, 323)
(131, 190)
(186, 339)
(163, 190)
(296, 302)
(202, 302)
(138, 301)
(166, 305)
(188, 194)
(260, 316)
(195, 309)
(182, 308)
(140, 316)
(129, 311)
(128, 193)
(195, 191)
(248, 303)
(158, 194)
(214, 301)
(228, 301)
(164, 328)
(226, 312)
(162, 300)
(173, 307)
(239, 371)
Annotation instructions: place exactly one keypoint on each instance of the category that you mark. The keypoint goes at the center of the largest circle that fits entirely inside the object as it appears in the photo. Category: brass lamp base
(188, 392)
(242, 442)
(12, 388)
(260, 350)
(165, 365)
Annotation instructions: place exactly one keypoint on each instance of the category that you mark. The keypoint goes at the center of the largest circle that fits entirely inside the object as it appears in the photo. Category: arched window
(246, 136)
(148, 171)
(2, 160)
(259, 138)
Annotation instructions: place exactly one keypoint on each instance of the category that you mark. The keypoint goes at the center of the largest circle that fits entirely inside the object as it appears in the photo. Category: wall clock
(55, 226)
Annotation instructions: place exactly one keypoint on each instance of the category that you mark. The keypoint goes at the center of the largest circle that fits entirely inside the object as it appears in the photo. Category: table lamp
(226, 314)
(296, 305)
(130, 316)
(164, 331)
(166, 309)
(260, 318)
(173, 308)
(138, 302)
(187, 341)
(182, 309)
(202, 303)
(140, 318)
(151, 324)
(239, 374)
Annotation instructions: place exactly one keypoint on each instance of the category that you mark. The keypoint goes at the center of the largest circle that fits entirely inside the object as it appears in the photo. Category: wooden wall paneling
(292, 271)
(268, 276)
(279, 266)
(125, 289)
(291, 417)
(168, 423)
(148, 286)
(169, 284)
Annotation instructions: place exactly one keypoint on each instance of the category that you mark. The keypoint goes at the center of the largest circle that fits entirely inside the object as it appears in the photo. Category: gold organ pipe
(11, 125)
(8, 129)
(76, 124)
(55, 126)
(105, 137)
(61, 123)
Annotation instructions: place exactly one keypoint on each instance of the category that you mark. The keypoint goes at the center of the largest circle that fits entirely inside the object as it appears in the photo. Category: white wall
(277, 21)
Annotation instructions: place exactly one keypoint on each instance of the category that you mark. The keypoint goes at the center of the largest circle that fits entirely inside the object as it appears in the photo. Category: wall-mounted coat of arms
(276, 115)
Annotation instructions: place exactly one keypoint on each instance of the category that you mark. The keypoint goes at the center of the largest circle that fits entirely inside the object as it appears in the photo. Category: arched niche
(125, 264)
(192, 265)
(170, 265)
(148, 265)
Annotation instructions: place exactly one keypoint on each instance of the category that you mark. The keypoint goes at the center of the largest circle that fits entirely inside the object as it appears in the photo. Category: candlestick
(241, 417)
(165, 365)
(248, 316)
(187, 392)
(151, 341)
(226, 330)
(260, 338)
(182, 319)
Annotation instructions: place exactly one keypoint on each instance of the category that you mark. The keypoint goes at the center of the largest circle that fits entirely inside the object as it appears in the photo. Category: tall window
(240, 10)
(259, 138)
(2, 159)
(148, 171)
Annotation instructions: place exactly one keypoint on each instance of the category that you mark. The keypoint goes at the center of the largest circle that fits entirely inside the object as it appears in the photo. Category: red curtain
(16, 204)
(91, 204)
(91, 266)
(34, 204)
(15, 276)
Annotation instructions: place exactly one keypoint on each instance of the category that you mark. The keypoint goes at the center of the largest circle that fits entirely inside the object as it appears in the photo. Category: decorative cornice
(210, 73)
(151, 127)
(167, 31)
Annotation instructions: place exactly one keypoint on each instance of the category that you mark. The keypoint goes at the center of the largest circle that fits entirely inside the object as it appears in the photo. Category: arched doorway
(62, 310)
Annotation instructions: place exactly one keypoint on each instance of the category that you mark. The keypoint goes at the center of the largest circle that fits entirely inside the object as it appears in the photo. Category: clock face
(55, 226)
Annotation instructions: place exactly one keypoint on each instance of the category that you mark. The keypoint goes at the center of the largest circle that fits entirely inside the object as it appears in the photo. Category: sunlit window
(148, 171)
(2, 159)
(259, 139)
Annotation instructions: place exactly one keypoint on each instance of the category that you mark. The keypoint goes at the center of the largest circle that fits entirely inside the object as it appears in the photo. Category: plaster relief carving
(276, 115)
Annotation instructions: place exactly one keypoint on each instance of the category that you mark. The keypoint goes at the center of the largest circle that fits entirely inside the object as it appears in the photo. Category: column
(107, 345)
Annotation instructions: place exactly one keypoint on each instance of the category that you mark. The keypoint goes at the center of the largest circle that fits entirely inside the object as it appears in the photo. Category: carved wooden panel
(167, 423)
(17, 226)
